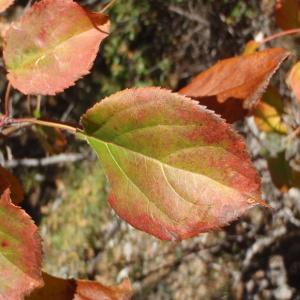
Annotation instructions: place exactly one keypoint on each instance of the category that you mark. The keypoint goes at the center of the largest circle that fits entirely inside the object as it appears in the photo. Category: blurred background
(162, 43)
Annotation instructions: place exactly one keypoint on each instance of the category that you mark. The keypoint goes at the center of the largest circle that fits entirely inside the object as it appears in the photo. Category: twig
(6, 101)
(10, 130)
(53, 124)
(185, 255)
(28, 102)
(43, 162)
(38, 105)
(289, 216)
(293, 134)
(28, 5)
(188, 15)
(108, 6)
(280, 34)
(261, 244)
(67, 112)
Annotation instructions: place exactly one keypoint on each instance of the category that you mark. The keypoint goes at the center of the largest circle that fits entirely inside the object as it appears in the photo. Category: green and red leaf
(4, 4)
(175, 168)
(20, 252)
(9, 181)
(233, 86)
(62, 289)
(52, 45)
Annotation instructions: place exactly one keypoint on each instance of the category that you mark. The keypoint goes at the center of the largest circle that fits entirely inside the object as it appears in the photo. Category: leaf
(175, 168)
(287, 14)
(4, 4)
(233, 86)
(268, 112)
(61, 289)
(53, 45)
(20, 252)
(8, 181)
(293, 80)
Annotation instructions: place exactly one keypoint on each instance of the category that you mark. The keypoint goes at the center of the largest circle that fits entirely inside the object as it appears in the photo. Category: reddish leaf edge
(256, 98)
(175, 238)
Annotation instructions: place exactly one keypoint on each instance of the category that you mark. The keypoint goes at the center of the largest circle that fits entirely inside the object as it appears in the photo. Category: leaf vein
(130, 179)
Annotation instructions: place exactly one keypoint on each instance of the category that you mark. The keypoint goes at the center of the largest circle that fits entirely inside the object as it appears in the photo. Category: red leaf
(61, 289)
(293, 80)
(175, 168)
(4, 4)
(8, 181)
(53, 45)
(20, 252)
(287, 14)
(233, 86)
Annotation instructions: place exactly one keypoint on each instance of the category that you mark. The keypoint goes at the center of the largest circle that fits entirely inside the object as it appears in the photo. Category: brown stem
(280, 34)
(38, 103)
(52, 124)
(108, 6)
(6, 101)
(10, 130)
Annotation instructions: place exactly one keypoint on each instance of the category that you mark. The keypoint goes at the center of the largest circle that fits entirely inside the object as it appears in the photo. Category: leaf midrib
(130, 179)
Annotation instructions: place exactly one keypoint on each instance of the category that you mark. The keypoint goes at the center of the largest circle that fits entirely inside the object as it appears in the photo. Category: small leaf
(4, 4)
(61, 289)
(8, 181)
(268, 112)
(53, 45)
(293, 80)
(287, 14)
(20, 252)
(233, 86)
(175, 168)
